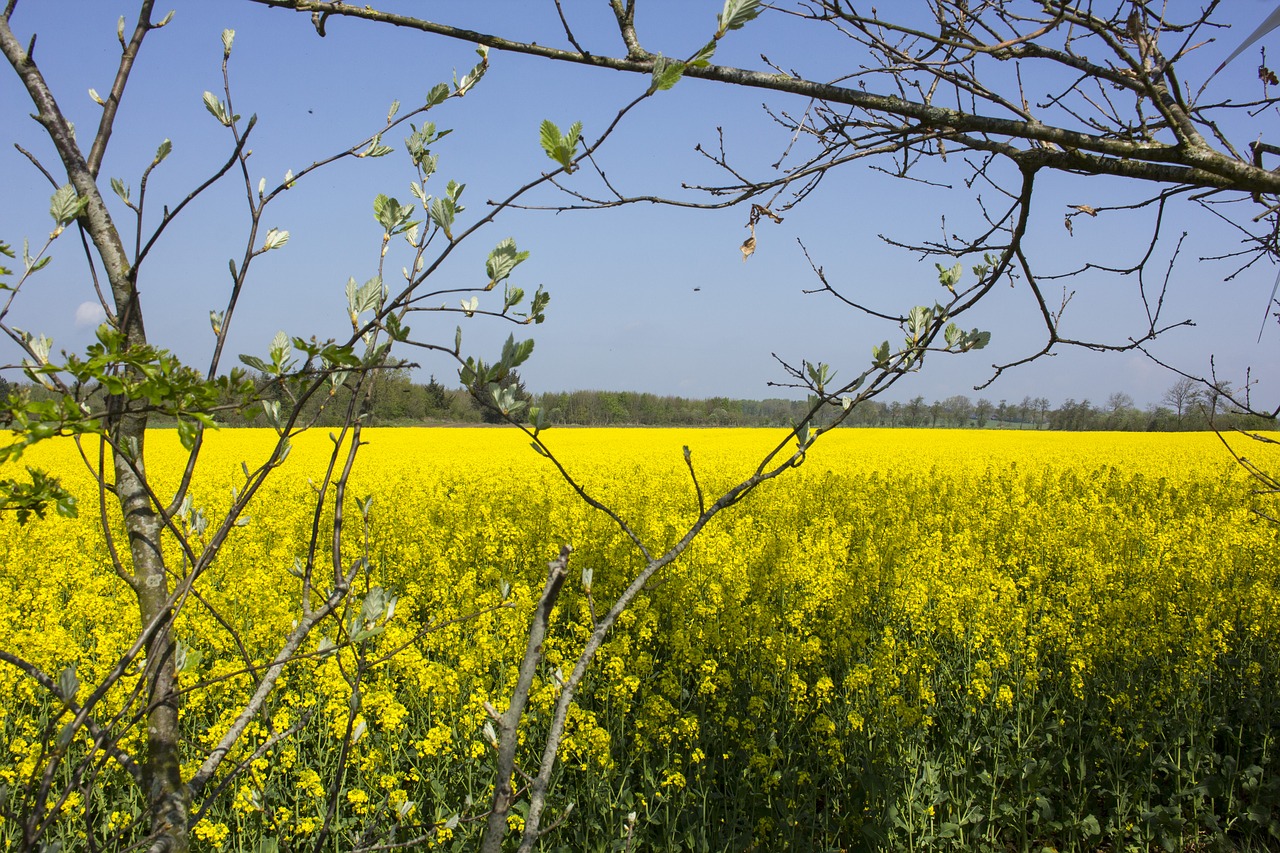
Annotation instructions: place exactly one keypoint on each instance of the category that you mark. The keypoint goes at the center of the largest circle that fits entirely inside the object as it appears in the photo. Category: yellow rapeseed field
(915, 640)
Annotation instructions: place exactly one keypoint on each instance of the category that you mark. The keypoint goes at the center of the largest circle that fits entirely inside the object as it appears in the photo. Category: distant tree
(1118, 411)
(958, 408)
(1042, 405)
(913, 412)
(437, 399)
(982, 411)
(1025, 410)
(1182, 397)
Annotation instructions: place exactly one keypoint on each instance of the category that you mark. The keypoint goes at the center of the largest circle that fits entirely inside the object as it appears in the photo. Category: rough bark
(166, 794)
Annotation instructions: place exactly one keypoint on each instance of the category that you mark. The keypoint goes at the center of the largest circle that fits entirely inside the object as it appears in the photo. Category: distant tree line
(399, 401)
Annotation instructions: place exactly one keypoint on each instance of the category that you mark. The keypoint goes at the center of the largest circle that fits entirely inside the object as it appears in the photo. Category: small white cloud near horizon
(89, 315)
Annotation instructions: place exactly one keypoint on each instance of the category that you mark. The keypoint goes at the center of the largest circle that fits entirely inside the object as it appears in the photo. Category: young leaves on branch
(475, 374)
(218, 109)
(363, 297)
(461, 87)
(502, 260)
(275, 239)
(419, 143)
(562, 147)
(961, 341)
(666, 73)
(444, 210)
(24, 499)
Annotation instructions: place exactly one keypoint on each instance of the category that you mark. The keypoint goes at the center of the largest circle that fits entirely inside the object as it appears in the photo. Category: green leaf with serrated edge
(549, 136)
(216, 108)
(280, 349)
(66, 205)
(666, 74)
(502, 260)
(736, 15)
(275, 239)
(572, 138)
(163, 151)
(442, 211)
(702, 58)
(438, 94)
(560, 148)
(119, 188)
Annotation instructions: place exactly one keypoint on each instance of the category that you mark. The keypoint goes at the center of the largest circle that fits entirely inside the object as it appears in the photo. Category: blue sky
(624, 313)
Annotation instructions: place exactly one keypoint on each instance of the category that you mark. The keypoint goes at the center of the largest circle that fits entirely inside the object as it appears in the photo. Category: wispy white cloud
(89, 315)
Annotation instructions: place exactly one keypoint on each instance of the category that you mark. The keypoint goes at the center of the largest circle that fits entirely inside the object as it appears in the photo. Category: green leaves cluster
(444, 210)
(959, 340)
(27, 499)
(475, 373)
(561, 147)
(394, 217)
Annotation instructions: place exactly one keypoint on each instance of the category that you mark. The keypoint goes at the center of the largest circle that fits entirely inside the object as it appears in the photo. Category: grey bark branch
(509, 722)
(1194, 165)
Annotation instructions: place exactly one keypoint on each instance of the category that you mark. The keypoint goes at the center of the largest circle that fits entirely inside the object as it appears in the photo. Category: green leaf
(391, 215)
(918, 320)
(119, 188)
(560, 147)
(376, 148)
(228, 38)
(502, 260)
(365, 297)
(948, 278)
(162, 152)
(275, 239)
(66, 205)
(953, 335)
(438, 94)
(880, 356)
(666, 74)
(515, 354)
(256, 363)
(25, 499)
(461, 87)
(188, 430)
(68, 683)
(702, 58)
(216, 108)
(442, 212)
(736, 15)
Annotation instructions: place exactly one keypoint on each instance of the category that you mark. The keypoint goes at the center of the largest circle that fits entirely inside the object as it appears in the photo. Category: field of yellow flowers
(917, 640)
